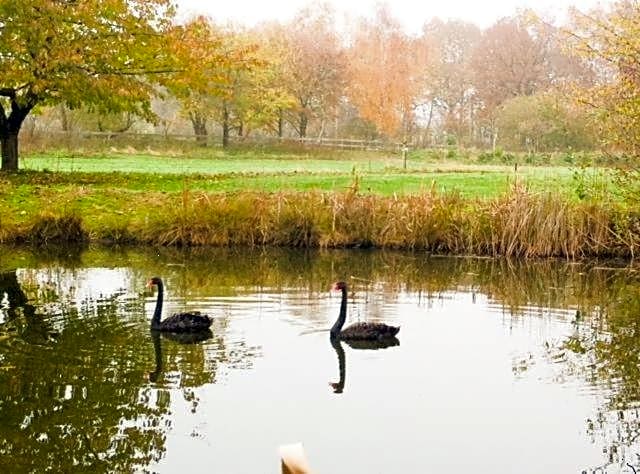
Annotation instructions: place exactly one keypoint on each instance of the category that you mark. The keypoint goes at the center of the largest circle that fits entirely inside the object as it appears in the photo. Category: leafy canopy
(81, 51)
(610, 39)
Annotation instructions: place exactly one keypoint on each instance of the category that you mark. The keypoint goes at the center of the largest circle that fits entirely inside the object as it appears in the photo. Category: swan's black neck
(155, 321)
(342, 317)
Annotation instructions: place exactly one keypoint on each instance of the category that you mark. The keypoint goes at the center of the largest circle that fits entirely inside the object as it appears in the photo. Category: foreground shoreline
(519, 223)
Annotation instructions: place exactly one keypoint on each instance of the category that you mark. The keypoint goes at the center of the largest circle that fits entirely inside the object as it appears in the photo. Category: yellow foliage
(610, 40)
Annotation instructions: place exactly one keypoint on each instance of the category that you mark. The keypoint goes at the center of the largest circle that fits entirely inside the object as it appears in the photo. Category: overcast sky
(412, 13)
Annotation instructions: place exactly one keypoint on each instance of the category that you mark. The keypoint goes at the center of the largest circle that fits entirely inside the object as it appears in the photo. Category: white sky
(412, 13)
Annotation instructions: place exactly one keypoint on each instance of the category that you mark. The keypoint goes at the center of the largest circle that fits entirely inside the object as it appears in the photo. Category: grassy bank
(43, 207)
(316, 198)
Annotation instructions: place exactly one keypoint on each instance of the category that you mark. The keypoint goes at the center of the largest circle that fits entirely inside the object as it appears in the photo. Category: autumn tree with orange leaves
(386, 74)
(238, 94)
(198, 47)
(279, 101)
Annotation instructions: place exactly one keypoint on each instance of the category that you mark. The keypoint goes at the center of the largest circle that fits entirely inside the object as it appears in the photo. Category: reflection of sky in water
(471, 388)
(4, 306)
(84, 283)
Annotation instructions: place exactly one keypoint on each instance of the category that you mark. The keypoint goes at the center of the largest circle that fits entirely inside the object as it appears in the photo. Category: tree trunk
(65, 122)
(321, 133)
(10, 128)
(201, 133)
(304, 120)
(427, 128)
(280, 123)
(199, 123)
(9, 151)
(225, 127)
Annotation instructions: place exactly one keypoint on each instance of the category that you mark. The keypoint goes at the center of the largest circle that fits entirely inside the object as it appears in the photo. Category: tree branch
(8, 92)
(116, 72)
(12, 92)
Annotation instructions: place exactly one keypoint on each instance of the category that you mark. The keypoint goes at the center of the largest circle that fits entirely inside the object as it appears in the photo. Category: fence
(37, 139)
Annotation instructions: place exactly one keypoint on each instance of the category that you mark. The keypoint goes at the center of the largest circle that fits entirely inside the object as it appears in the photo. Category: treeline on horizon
(522, 83)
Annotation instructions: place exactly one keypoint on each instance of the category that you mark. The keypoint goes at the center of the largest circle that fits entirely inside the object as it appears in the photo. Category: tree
(242, 99)
(611, 41)
(450, 88)
(197, 48)
(98, 52)
(385, 69)
(274, 97)
(543, 122)
(313, 67)
(217, 80)
(511, 59)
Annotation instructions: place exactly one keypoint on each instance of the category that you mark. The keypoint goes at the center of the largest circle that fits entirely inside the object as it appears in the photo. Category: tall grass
(519, 223)
(65, 229)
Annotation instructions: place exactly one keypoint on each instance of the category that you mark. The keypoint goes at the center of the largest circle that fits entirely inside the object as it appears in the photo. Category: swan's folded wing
(365, 330)
(188, 321)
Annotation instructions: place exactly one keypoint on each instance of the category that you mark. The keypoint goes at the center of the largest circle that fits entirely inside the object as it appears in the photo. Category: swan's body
(358, 331)
(181, 322)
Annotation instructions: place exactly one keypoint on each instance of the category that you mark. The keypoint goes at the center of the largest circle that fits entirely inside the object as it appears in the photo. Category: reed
(519, 223)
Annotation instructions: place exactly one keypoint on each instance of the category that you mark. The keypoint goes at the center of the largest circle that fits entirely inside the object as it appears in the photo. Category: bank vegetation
(518, 223)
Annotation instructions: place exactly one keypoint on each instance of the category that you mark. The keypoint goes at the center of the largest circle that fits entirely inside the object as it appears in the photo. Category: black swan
(181, 322)
(359, 331)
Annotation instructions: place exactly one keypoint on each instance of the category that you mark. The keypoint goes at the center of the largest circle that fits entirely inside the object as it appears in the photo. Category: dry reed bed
(519, 224)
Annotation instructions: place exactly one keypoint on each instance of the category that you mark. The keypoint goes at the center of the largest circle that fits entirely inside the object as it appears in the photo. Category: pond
(501, 366)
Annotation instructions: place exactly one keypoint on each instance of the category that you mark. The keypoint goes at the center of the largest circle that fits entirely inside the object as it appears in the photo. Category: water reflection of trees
(515, 285)
(604, 350)
(518, 287)
(72, 404)
(79, 398)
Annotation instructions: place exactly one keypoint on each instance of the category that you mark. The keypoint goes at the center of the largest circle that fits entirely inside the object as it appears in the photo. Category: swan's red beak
(334, 287)
(149, 283)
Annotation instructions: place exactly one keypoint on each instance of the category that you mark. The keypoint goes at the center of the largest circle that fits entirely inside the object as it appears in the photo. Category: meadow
(302, 170)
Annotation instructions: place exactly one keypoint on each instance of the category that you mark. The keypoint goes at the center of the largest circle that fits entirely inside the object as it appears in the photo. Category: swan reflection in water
(338, 387)
(179, 337)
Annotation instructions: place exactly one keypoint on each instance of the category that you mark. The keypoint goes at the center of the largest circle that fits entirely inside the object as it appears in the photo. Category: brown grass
(518, 224)
(56, 229)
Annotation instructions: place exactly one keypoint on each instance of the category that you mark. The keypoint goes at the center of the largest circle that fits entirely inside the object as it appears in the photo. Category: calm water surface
(501, 367)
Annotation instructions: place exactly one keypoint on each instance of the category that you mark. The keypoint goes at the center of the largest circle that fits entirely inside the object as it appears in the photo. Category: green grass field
(229, 172)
